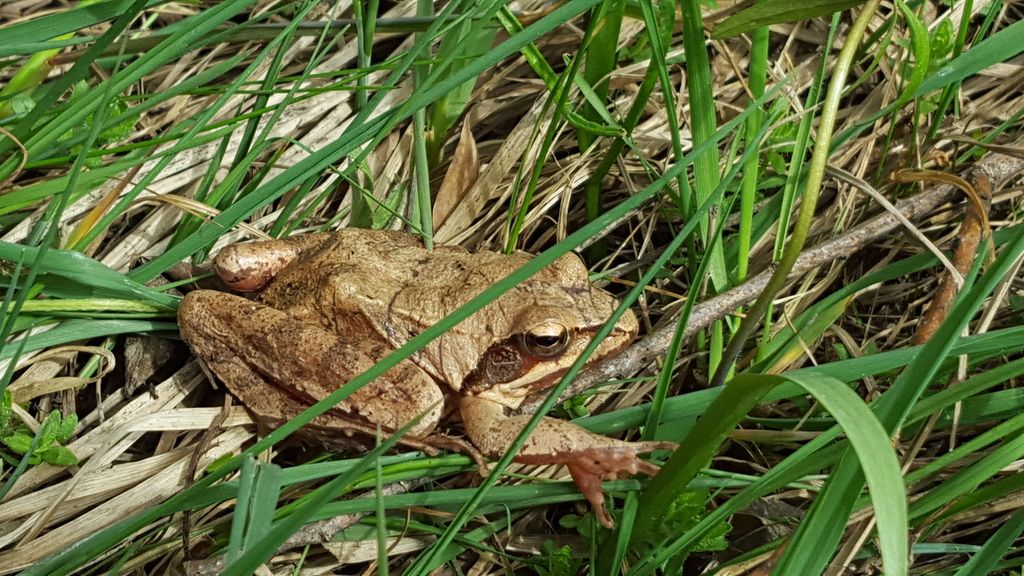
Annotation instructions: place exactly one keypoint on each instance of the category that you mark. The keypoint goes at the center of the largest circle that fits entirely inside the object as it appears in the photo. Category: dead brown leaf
(462, 174)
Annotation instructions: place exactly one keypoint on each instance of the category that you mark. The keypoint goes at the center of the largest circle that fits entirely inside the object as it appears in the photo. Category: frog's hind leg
(277, 365)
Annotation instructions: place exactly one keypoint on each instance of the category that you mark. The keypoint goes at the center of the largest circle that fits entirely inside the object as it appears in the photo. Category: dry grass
(148, 427)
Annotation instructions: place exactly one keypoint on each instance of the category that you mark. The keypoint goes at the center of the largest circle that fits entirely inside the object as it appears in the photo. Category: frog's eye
(546, 340)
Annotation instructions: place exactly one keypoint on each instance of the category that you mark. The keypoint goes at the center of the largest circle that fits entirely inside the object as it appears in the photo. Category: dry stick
(996, 166)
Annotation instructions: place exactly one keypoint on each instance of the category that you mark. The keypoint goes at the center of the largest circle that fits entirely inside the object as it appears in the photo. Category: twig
(996, 167)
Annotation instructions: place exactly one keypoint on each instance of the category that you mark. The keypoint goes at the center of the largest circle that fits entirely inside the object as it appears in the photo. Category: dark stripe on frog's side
(478, 380)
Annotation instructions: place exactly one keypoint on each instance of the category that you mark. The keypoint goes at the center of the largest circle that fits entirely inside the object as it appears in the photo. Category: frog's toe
(592, 465)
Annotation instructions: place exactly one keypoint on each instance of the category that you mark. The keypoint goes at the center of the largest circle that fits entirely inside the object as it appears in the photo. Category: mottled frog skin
(329, 306)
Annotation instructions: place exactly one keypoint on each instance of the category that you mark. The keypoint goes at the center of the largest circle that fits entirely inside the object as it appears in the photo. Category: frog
(316, 310)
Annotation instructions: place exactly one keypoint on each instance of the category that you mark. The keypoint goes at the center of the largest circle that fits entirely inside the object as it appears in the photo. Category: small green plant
(558, 561)
(81, 92)
(18, 437)
(685, 512)
(688, 509)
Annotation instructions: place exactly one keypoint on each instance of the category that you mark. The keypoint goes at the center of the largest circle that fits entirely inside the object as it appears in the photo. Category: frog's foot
(590, 466)
(590, 457)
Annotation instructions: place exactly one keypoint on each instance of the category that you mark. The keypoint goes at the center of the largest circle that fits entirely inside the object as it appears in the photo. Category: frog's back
(356, 276)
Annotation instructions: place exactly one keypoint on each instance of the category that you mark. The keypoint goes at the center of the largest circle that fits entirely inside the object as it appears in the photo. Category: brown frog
(332, 305)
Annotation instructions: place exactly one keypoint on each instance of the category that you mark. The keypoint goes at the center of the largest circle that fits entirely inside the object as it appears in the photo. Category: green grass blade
(997, 48)
(984, 561)
(819, 531)
(263, 548)
(921, 46)
(240, 517)
(968, 479)
(17, 38)
(265, 492)
(83, 329)
(751, 172)
(768, 12)
(84, 271)
(703, 119)
(872, 446)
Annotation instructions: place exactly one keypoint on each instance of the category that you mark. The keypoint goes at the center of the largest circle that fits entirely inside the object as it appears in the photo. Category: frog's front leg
(589, 457)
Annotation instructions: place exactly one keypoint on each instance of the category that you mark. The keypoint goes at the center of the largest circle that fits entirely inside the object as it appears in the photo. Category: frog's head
(543, 327)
